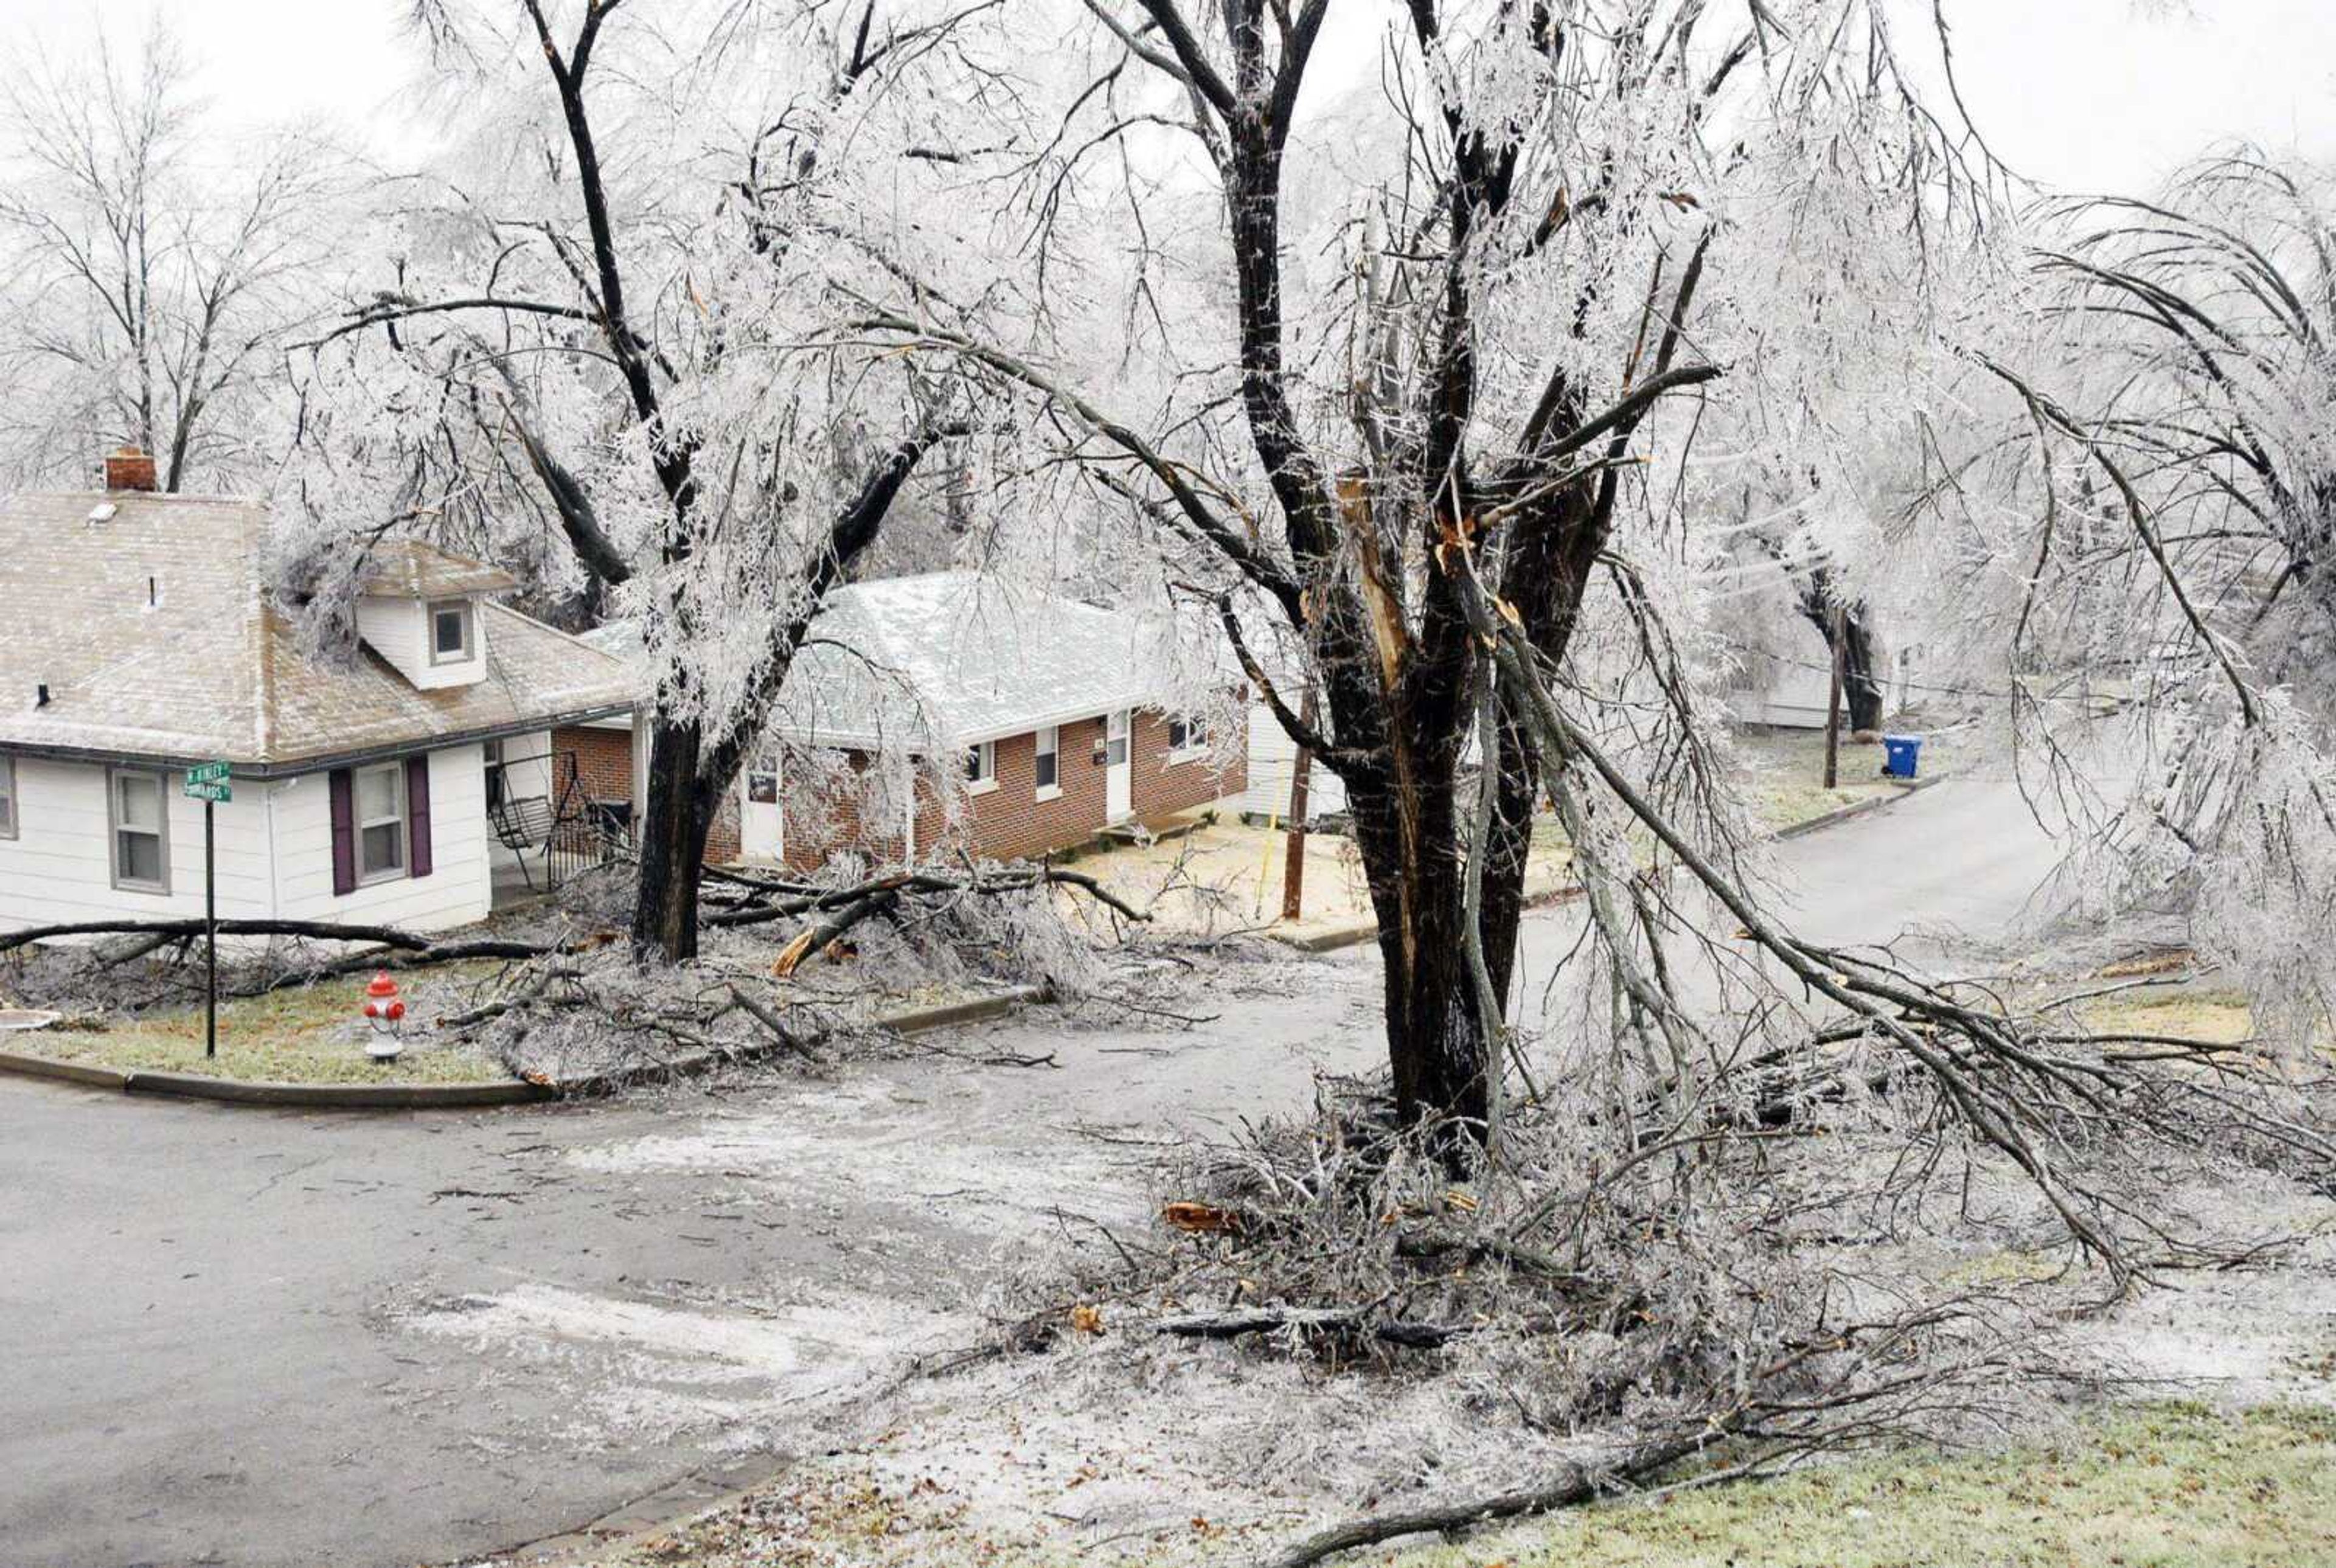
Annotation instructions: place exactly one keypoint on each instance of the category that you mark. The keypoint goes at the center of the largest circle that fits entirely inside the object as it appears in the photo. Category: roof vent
(41, 695)
(103, 513)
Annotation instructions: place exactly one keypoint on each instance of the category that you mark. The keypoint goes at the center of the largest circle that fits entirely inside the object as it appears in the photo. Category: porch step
(1132, 832)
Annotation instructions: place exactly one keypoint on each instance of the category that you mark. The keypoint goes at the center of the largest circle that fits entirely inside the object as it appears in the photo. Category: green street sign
(207, 773)
(208, 789)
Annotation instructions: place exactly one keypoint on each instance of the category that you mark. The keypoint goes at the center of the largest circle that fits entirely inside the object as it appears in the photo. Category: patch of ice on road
(870, 1144)
(642, 1366)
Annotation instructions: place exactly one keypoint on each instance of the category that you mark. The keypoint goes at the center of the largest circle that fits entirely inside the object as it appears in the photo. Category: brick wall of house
(1009, 823)
(604, 764)
(1160, 785)
(604, 760)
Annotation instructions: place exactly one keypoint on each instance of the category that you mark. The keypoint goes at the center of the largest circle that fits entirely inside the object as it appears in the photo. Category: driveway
(253, 1338)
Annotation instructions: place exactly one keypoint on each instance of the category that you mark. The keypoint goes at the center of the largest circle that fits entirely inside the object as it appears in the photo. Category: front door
(1118, 775)
(762, 826)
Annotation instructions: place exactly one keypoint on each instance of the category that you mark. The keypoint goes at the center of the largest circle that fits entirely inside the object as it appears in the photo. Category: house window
(7, 797)
(380, 793)
(454, 632)
(1047, 767)
(1187, 735)
(981, 767)
(141, 820)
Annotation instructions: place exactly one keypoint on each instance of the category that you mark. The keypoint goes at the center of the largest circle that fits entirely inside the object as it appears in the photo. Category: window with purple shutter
(345, 831)
(417, 815)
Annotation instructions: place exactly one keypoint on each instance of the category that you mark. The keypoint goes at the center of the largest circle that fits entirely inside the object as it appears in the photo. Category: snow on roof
(955, 657)
(153, 630)
(414, 569)
(952, 658)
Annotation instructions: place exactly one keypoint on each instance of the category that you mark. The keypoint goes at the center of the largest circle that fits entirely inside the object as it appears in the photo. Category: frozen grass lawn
(1788, 785)
(2220, 1017)
(300, 1035)
(2163, 1487)
(1226, 874)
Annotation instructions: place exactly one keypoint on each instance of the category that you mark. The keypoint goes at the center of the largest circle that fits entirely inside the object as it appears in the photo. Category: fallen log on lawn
(405, 950)
(1574, 1486)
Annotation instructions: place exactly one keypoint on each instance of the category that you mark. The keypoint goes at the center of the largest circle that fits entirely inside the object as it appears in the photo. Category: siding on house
(459, 889)
(274, 852)
(58, 869)
(1273, 758)
(398, 629)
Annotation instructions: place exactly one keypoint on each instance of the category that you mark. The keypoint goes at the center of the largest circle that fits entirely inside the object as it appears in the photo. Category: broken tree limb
(772, 1022)
(313, 931)
(1576, 1485)
(1312, 1320)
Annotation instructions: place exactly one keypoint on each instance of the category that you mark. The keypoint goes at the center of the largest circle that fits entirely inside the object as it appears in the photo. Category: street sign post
(208, 782)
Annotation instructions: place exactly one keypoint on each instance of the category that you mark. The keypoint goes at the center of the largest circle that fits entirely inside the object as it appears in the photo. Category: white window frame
(114, 829)
(359, 823)
(981, 770)
(1048, 743)
(1195, 744)
(470, 613)
(8, 792)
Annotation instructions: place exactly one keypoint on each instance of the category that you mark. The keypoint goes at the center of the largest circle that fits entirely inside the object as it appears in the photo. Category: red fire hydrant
(385, 1012)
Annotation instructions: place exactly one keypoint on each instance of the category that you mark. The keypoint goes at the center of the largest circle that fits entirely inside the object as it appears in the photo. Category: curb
(1339, 936)
(472, 1096)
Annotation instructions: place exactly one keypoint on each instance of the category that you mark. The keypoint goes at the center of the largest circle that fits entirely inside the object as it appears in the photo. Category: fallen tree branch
(1313, 1319)
(313, 931)
(1581, 1483)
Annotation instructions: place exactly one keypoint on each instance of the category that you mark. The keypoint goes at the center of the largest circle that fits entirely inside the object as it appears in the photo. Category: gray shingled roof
(418, 571)
(209, 670)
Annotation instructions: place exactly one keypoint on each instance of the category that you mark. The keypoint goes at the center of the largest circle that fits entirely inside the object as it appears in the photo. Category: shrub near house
(144, 639)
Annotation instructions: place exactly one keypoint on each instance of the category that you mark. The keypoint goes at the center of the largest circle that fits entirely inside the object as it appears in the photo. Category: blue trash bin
(1900, 755)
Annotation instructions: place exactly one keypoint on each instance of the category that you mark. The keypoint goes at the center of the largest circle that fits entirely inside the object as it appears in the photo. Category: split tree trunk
(1438, 1044)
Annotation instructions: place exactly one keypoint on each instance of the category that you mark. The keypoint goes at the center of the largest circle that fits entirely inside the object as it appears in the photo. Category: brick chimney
(129, 468)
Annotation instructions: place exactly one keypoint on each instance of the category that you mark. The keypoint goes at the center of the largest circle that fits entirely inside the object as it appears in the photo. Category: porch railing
(538, 809)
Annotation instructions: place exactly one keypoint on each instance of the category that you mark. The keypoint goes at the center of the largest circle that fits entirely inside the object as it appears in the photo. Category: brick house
(950, 709)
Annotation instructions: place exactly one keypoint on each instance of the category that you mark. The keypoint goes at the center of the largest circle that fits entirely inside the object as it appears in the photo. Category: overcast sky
(2082, 94)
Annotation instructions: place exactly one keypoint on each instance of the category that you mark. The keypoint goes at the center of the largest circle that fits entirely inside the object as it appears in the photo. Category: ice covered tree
(1445, 353)
(612, 304)
(152, 265)
(2154, 521)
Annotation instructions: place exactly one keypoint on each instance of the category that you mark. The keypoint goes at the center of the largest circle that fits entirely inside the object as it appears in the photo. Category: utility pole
(1293, 857)
(1832, 705)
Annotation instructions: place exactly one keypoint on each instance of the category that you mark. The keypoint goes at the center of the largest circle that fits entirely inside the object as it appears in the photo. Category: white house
(141, 641)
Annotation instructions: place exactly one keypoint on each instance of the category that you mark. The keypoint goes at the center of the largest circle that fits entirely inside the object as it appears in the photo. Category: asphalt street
(253, 1338)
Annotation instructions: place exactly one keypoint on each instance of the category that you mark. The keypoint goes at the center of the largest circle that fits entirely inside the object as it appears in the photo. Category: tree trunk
(1437, 1046)
(674, 830)
(1860, 659)
(1861, 679)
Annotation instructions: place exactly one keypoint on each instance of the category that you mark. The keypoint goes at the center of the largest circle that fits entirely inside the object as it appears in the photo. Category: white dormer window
(454, 631)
